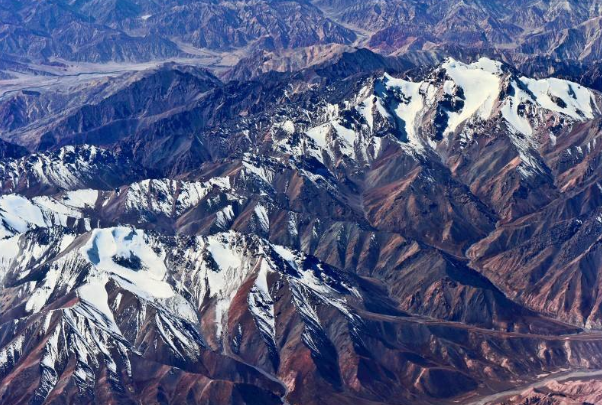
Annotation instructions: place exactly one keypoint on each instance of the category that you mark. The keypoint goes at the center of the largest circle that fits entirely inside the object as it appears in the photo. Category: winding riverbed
(561, 376)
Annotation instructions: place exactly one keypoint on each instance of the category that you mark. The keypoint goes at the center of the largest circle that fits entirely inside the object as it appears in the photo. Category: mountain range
(300, 202)
(307, 237)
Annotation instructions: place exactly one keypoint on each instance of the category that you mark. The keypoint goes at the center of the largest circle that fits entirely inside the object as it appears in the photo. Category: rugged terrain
(262, 35)
(358, 231)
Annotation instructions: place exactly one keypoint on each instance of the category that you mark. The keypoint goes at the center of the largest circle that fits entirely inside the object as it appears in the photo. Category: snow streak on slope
(414, 96)
(514, 110)
(68, 168)
(261, 305)
(170, 197)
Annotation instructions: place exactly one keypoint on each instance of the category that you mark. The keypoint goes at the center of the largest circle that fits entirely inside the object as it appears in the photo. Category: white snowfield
(107, 248)
(480, 83)
(19, 214)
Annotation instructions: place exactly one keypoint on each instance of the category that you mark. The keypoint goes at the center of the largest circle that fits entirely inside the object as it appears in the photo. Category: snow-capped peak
(449, 100)
(484, 64)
